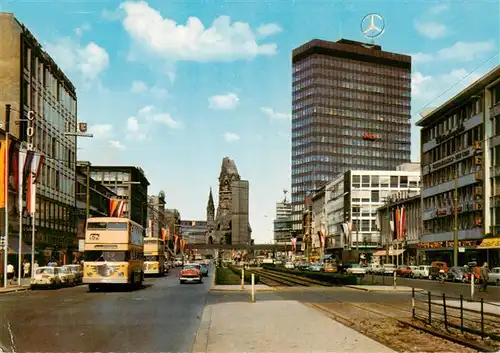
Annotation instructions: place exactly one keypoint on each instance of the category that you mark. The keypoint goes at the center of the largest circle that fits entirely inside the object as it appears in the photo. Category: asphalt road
(163, 316)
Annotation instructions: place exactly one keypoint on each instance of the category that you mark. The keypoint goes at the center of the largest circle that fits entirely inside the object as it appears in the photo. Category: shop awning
(391, 252)
(14, 246)
(490, 243)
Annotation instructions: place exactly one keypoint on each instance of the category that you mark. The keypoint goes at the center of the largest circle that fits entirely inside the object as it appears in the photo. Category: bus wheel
(92, 287)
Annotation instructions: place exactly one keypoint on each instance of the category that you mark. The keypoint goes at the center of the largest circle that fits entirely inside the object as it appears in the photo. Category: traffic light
(2, 242)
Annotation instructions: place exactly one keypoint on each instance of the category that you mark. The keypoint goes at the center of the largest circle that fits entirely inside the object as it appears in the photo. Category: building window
(375, 181)
(394, 182)
(375, 197)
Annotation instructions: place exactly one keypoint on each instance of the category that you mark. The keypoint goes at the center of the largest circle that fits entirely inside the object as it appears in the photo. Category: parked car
(436, 268)
(357, 270)
(456, 274)
(404, 271)
(495, 276)
(68, 278)
(190, 273)
(289, 265)
(315, 267)
(389, 269)
(77, 270)
(47, 277)
(421, 272)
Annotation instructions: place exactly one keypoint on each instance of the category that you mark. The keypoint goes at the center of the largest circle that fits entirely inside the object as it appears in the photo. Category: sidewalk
(25, 285)
(276, 326)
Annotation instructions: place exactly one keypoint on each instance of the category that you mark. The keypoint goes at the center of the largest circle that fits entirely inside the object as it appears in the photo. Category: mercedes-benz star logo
(372, 25)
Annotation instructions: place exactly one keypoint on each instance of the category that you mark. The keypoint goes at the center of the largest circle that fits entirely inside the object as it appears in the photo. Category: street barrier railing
(457, 313)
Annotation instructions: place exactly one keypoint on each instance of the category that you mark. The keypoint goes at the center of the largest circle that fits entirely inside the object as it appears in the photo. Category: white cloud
(439, 8)
(101, 130)
(269, 29)
(155, 91)
(223, 41)
(460, 51)
(168, 120)
(224, 101)
(135, 131)
(89, 60)
(139, 125)
(116, 144)
(83, 28)
(431, 29)
(138, 87)
(436, 89)
(231, 137)
(272, 114)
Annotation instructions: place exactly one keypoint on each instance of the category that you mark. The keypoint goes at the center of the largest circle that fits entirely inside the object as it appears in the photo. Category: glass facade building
(350, 110)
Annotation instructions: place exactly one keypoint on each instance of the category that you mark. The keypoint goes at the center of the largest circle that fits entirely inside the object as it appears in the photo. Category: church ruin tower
(210, 208)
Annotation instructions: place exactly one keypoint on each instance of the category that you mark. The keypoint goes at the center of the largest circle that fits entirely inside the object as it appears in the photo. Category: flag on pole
(4, 181)
(20, 181)
(36, 165)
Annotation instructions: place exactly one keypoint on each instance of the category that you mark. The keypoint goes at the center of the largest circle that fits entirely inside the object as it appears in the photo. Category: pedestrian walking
(10, 273)
(484, 276)
(26, 268)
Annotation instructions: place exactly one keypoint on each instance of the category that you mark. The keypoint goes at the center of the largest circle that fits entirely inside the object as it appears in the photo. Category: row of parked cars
(453, 274)
(57, 276)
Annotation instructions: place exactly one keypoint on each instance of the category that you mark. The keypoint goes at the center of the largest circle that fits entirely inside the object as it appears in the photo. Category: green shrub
(226, 276)
(248, 275)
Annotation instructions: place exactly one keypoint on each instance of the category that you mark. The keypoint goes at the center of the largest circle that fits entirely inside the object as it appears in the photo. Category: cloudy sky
(174, 86)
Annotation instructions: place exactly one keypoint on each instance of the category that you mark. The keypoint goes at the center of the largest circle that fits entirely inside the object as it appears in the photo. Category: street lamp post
(455, 221)
(6, 193)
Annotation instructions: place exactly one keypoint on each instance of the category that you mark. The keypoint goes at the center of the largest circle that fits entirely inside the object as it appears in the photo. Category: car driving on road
(191, 273)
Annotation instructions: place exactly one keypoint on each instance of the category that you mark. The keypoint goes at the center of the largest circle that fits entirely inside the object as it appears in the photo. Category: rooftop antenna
(285, 191)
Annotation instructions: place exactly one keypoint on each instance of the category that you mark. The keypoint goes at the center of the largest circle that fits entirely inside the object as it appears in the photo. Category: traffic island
(13, 289)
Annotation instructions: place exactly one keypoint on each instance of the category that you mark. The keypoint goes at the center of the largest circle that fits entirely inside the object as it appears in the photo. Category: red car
(190, 273)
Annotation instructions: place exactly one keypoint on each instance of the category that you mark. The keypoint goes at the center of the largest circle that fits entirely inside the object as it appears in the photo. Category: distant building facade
(283, 222)
(130, 185)
(352, 201)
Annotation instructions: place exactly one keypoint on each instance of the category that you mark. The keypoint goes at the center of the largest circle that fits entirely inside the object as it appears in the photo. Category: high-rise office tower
(351, 110)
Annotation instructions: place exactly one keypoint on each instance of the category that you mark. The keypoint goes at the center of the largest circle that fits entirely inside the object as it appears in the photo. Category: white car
(289, 265)
(357, 270)
(495, 276)
(421, 272)
(389, 269)
(46, 277)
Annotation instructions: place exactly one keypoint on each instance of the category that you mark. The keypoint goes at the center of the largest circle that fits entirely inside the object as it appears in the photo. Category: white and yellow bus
(113, 253)
(154, 256)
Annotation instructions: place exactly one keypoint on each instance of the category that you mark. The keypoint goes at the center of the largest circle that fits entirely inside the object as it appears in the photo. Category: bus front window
(110, 256)
(151, 258)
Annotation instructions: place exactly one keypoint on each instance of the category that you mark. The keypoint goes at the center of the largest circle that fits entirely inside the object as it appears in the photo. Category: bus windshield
(152, 258)
(110, 256)
(121, 226)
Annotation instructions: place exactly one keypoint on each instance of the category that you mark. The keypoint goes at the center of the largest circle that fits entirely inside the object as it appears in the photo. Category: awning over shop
(490, 243)
(14, 246)
(391, 252)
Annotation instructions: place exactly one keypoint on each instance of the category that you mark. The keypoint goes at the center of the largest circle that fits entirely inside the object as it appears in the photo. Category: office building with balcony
(130, 185)
(350, 110)
(460, 150)
(35, 87)
(352, 200)
(282, 224)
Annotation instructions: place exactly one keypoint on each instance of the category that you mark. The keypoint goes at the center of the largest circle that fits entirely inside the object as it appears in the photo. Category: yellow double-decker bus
(154, 256)
(113, 253)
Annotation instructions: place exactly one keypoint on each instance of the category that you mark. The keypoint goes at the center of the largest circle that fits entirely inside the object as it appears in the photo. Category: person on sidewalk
(484, 276)
(26, 268)
(10, 273)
